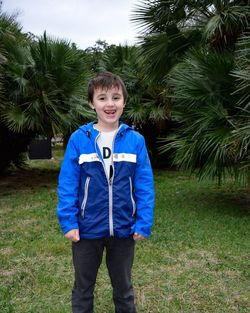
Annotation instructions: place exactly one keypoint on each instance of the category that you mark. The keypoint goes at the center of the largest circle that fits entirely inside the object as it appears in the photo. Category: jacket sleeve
(68, 186)
(143, 192)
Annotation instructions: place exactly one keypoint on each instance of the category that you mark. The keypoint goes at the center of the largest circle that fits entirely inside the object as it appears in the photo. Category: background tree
(206, 110)
(199, 72)
(242, 132)
(42, 89)
(11, 144)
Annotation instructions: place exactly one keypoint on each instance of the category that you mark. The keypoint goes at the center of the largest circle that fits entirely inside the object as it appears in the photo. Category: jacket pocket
(85, 198)
(131, 196)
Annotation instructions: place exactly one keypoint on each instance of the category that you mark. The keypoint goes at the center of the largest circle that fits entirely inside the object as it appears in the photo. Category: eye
(117, 97)
(101, 98)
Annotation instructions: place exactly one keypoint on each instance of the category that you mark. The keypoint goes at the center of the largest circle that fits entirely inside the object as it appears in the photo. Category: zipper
(86, 191)
(131, 196)
(111, 179)
(111, 224)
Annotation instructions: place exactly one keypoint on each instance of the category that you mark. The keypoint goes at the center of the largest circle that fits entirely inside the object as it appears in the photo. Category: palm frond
(206, 141)
(228, 21)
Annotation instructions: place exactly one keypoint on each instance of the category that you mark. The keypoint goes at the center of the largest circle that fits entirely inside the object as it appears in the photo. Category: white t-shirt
(105, 142)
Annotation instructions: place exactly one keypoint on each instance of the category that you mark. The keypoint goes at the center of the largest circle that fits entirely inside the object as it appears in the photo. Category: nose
(110, 102)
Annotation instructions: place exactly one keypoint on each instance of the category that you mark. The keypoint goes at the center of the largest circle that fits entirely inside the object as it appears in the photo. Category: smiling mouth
(110, 112)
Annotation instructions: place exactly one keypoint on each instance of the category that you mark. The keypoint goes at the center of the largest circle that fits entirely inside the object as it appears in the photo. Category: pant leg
(87, 257)
(119, 259)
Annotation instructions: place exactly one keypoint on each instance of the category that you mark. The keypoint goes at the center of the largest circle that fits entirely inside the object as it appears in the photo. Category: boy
(106, 196)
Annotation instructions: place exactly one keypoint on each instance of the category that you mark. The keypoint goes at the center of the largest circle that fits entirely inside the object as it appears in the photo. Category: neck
(106, 128)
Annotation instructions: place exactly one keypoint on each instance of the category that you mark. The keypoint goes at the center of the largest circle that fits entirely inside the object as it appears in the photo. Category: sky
(82, 22)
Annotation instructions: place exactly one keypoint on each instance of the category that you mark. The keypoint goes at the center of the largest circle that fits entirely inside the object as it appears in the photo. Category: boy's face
(108, 104)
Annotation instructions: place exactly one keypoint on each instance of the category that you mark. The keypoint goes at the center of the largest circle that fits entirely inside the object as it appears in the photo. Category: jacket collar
(90, 131)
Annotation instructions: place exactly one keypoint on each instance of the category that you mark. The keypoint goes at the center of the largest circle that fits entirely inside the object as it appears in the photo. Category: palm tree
(11, 144)
(211, 101)
(164, 35)
(202, 86)
(42, 89)
(242, 132)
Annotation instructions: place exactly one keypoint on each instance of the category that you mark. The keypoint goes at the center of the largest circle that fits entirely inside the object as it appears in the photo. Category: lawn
(197, 259)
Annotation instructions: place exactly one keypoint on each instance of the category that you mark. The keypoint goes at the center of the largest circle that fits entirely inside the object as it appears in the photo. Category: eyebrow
(113, 94)
(101, 95)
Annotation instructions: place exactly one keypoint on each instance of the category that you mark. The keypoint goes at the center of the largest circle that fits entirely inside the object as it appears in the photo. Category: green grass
(197, 259)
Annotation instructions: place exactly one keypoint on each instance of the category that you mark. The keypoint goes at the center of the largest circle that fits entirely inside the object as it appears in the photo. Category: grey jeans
(87, 258)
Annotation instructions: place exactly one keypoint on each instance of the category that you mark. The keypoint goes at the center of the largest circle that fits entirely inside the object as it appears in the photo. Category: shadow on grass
(203, 197)
(30, 178)
(222, 201)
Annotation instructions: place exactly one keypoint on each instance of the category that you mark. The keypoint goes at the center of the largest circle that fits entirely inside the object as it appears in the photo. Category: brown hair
(106, 80)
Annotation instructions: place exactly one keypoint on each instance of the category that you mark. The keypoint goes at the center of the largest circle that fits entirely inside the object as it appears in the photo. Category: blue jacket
(102, 207)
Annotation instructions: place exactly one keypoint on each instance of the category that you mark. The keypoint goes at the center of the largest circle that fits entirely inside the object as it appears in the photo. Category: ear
(91, 105)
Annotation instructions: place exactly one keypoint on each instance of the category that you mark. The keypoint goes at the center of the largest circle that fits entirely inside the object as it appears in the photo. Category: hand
(137, 236)
(73, 235)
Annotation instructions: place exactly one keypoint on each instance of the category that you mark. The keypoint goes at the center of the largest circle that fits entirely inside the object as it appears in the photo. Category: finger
(77, 237)
(73, 235)
(138, 236)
